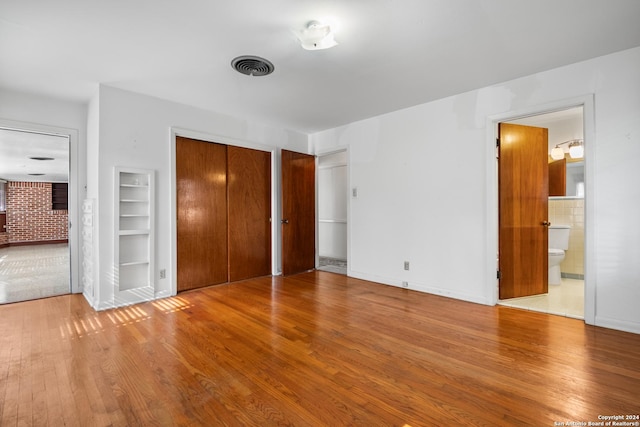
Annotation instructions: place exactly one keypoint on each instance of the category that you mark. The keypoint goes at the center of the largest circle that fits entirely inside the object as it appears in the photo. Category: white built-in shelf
(125, 264)
(132, 232)
(134, 207)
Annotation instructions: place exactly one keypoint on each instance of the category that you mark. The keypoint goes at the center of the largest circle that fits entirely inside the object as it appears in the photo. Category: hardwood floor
(316, 349)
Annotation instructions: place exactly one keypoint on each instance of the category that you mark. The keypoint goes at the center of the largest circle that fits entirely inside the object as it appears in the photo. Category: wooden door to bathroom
(298, 212)
(523, 187)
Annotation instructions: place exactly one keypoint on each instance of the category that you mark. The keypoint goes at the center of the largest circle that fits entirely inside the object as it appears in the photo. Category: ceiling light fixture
(576, 149)
(316, 36)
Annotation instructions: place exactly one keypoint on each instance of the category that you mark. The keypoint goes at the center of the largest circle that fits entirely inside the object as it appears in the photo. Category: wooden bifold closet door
(223, 196)
(249, 208)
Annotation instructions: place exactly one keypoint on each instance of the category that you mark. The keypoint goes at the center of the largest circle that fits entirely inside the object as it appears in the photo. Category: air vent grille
(252, 65)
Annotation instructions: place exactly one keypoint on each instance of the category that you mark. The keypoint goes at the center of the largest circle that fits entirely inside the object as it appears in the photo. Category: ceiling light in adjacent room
(316, 36)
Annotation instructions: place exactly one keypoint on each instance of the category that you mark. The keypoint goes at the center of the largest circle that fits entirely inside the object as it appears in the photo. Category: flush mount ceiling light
(252, 65)
(316, 36)
(576, 149)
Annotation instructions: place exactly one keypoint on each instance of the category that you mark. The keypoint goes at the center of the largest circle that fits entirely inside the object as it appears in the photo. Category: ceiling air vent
(252, 65)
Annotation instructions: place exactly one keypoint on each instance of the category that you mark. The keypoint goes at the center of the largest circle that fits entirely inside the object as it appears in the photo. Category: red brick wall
(29, 214)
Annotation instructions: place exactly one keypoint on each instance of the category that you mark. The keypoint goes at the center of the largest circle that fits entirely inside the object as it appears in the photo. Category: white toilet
(558, 243)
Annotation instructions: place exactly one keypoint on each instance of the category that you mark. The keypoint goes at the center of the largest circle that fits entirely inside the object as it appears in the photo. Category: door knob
(284, 221)
(546, 223)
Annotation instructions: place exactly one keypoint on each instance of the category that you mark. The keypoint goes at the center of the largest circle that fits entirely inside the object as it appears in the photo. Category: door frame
(73, 199)
(275, 190)
(491, 229)
(318, 154)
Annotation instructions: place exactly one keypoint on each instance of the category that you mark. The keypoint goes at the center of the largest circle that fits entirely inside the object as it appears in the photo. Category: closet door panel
(249, 204)
(201, 195)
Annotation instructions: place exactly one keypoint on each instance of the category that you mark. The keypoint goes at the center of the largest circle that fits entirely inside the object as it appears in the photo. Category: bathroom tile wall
(570, 212)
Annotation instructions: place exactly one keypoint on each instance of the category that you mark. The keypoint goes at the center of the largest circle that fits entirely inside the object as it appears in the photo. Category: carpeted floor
(32, 272)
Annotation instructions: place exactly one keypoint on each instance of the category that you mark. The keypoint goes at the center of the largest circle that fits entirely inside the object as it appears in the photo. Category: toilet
(558, 243)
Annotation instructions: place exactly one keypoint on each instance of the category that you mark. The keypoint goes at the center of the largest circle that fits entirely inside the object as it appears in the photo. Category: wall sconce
(557, 153)
(316, 36)
(576, 149)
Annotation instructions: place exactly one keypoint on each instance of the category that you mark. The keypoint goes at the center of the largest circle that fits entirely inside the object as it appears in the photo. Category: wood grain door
(201, 193)
(523, 210)
(298, 212)
(558, 178)
(249, 207)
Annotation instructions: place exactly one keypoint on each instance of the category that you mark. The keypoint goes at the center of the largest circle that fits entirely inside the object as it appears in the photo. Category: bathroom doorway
(332, 212)
(565, 296)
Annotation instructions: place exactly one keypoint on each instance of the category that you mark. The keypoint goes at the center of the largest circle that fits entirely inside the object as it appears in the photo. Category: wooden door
(298, 212)
(201, 193)
(523, 210)
(249, 207)
(558, 178)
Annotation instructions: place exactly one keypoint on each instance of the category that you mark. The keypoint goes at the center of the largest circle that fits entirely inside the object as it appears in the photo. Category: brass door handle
(284, 221)
(546, 223)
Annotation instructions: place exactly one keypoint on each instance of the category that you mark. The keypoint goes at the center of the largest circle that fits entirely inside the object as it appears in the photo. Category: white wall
(39, 113)
(425, 174)
(332, 205)
(137, 131)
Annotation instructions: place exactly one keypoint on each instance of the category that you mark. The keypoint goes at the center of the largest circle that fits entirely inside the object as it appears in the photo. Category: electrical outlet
(163, 274)
(406, 265)
(405, 284)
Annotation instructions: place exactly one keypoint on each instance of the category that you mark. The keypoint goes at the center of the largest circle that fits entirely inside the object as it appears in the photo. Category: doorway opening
(332, 212)
(566, 214)
(35, 257)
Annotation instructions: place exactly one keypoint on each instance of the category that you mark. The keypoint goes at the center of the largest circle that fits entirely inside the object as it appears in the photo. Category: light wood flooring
(316, 349)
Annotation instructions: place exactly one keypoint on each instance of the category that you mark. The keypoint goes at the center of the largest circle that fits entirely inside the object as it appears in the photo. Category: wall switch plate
(354, 192)
(163, 274)
(406, 265)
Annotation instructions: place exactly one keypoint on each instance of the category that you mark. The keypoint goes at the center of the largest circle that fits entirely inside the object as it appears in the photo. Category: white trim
(74, 188)
(491, 233)
(275, 191)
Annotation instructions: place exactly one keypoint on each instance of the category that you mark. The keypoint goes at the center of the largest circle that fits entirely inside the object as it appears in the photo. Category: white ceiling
(17, 148)
(392, 54)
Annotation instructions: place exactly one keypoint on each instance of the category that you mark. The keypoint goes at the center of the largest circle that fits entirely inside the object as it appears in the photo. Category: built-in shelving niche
(134, 215)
